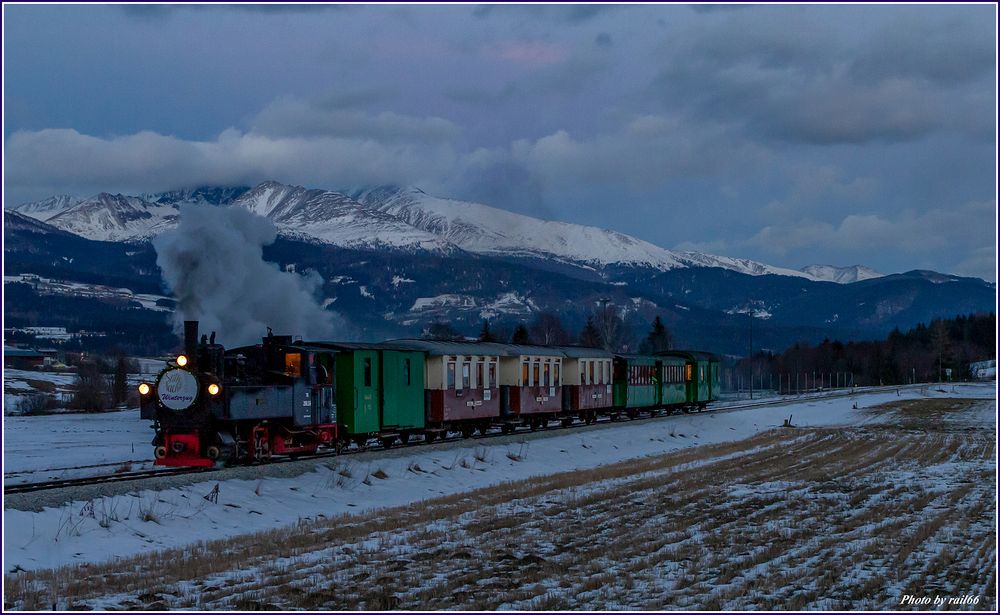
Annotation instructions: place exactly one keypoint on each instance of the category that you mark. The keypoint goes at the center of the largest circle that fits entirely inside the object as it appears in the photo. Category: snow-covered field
(143, 523)
(60, 446)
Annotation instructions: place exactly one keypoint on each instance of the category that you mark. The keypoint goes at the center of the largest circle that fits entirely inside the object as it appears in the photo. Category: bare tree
(610, 326)
(547, 330)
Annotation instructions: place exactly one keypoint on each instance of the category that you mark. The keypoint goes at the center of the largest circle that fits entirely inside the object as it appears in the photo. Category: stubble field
(825, 518)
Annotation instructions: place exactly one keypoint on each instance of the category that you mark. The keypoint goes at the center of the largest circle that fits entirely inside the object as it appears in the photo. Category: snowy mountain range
(396, 219)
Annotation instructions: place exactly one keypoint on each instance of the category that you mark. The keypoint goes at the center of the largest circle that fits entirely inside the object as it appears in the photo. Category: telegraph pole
(750, 314)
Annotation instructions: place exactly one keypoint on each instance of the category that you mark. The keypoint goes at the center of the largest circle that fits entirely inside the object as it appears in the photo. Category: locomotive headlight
(182, 360)
(143, 389)
(213, 389)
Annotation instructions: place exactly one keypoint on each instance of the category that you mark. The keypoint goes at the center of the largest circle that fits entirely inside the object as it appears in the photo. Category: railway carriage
(701, 375)
(380, 392)
(461, 385)
(636, 383)
(587, 384)
(530, 384)
(673, 387)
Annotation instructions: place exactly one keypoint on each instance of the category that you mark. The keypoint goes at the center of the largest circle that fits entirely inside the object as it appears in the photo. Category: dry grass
(789, 519)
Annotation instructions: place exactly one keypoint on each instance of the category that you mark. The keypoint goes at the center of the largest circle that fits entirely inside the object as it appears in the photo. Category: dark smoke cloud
(213, 263)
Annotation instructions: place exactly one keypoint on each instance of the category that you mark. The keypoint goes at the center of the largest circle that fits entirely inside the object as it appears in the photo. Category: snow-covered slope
(46, 208)
(487, 230)
(115, 217)
(334, 218)
(841, 275)
(14, 221)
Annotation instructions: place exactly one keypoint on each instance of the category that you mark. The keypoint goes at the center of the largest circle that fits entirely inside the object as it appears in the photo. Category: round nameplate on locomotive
(177, 389)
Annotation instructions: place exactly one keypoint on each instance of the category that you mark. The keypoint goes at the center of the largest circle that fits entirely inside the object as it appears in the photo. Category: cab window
(293, 364)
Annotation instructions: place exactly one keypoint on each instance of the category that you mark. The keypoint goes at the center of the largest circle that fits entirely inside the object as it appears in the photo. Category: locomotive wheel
(212, 452)
(160, 452)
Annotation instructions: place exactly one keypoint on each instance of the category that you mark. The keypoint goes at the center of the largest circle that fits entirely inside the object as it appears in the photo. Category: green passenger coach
(358, 403)
(701, 375)
(402, 390)
(636, 381)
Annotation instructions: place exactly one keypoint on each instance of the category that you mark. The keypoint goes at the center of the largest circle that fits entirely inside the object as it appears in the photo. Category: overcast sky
(786, 134)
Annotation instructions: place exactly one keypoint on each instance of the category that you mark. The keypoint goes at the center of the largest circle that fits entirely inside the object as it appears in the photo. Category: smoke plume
(213, 263)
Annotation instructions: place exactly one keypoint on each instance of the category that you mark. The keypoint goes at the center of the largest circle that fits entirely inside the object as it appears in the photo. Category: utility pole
(750, 315)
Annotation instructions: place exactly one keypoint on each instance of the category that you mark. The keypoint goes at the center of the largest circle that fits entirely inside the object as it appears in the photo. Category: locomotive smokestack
(191, 341)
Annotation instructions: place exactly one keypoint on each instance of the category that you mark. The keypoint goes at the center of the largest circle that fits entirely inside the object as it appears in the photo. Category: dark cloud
(813, 121)
(482, 97)
(160, 11)
(353, 98)
(292, 117)
(801, 83)
(571, 14)
(944, 52)
(505, 184)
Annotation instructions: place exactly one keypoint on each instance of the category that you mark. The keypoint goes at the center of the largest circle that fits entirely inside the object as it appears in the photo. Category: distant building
(22, 358)
(983, 370)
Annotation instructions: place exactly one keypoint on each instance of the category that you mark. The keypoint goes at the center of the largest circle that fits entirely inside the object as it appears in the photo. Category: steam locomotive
(287, 397)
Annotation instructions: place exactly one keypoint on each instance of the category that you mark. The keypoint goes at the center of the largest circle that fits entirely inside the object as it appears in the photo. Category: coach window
(524, 374)
(466, 372)
(688, 372)
(451, 375)
(701, 373)
(406, 371)
(583, 372)
(547, 375)
(535, 380)
(368, 372)
(555, 375)
(479, 375)
(607, 372)
(590, 379)
(492, 376)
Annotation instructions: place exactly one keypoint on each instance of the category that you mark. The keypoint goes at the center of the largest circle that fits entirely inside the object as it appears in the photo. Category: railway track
(146, 474)
(97, 480)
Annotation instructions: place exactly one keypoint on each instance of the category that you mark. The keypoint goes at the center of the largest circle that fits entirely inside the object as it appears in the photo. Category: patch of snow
(34, 540)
